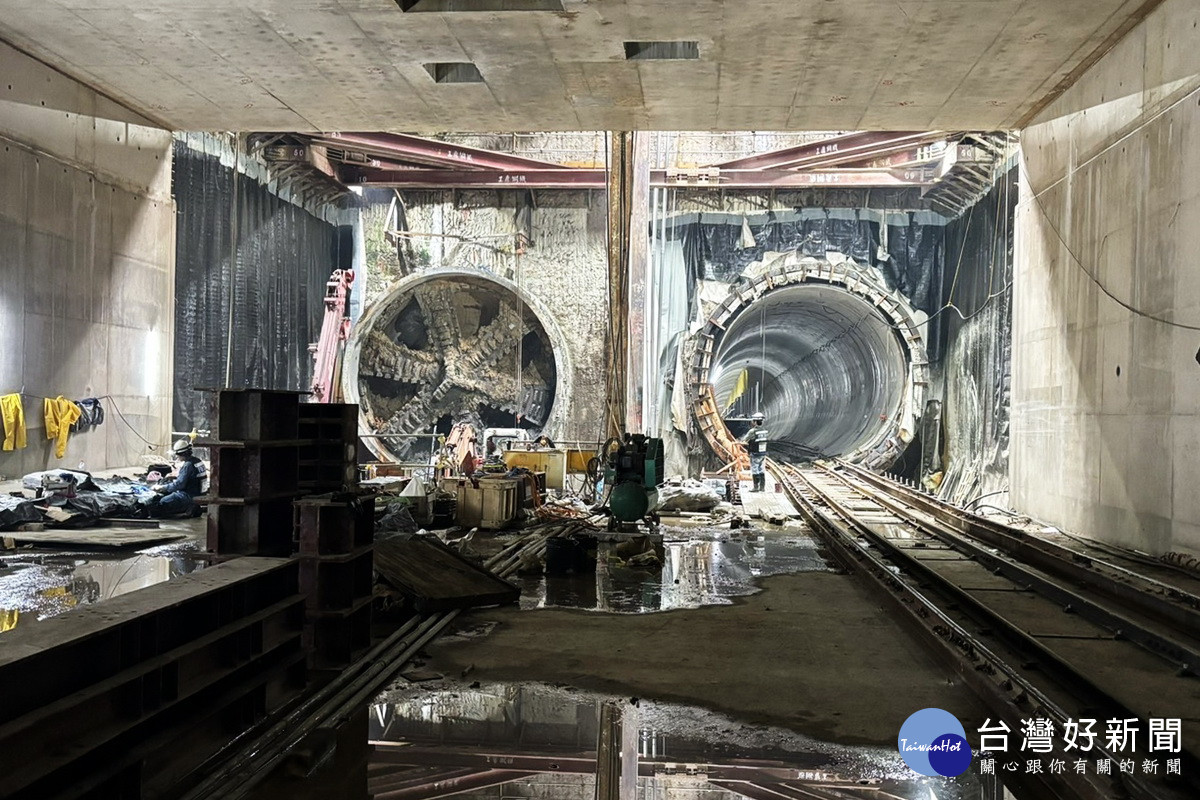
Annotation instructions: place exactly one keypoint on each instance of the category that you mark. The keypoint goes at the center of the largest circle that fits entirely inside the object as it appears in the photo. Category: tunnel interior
(826, 369)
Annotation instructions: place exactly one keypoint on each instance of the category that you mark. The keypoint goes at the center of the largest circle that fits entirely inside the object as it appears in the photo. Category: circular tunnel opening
(443, 348)
(822, 364)
(830, 354)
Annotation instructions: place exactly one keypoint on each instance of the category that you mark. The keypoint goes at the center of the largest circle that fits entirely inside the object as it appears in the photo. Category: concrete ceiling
(766, 65)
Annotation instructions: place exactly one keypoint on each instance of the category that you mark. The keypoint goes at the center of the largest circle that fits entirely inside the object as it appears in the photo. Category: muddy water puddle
(701, 567)
(36, 585)
(549, 734)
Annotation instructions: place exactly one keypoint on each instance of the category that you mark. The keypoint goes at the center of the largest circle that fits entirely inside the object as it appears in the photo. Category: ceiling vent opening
(454, 72)
(658, 51)
(480, 5)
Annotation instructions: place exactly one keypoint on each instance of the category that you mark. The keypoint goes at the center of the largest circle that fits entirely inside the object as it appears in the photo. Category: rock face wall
(551, 249)
(1106, 392)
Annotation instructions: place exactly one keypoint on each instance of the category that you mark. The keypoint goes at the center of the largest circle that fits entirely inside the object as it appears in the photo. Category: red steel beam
(484, 779)
(583, 764)
(755, 791)
(911, 156)
(864, 144)
(402, 147)
(579, 178)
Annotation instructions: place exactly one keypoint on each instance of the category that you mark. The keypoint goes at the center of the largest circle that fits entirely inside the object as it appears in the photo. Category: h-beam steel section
(588, 178)
(584, 763)
(450, 785)
(418, 150)
(123, 697)
(834, 150)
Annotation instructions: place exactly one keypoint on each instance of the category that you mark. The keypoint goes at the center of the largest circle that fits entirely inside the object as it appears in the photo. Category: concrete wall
(1106, 402)
(86, 263)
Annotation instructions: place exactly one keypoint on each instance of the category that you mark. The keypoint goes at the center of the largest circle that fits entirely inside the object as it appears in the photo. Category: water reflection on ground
(525, 736)
(35, 585)
(701, 567)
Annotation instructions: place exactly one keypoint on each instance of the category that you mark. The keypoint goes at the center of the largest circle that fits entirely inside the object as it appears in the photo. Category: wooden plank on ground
(102, 539)
(768, 505)
(438, 579)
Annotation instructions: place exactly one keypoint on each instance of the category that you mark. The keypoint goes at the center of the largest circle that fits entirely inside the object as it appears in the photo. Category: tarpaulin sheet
(713, 248)
(276, 285)
(17, 510)
(977, 358)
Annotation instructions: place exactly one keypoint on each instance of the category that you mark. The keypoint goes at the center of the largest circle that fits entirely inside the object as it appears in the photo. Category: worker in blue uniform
(177, 498)
(756, 445)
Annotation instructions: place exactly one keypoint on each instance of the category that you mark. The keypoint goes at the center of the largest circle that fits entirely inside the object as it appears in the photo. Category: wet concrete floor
(701, 567)
(534, 718)
(759, 627)
(38, 583)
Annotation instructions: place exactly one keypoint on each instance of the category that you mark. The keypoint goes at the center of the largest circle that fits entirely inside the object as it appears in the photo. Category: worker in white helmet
(176, 498)
(756, 445)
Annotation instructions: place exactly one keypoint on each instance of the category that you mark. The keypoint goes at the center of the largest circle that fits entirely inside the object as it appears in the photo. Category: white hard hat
(757, 415)
(181, 446)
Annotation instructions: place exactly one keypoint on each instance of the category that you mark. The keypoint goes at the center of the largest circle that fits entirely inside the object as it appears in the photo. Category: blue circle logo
(933, 742)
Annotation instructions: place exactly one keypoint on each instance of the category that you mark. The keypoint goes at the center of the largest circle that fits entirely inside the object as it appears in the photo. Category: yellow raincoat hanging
(61, 414)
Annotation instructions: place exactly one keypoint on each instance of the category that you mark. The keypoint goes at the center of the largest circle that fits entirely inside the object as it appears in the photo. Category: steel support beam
(864, 144)
(455, 785)
(402, 147)
(608, 754)
(619, 182)
(584, 178)
(584, 763)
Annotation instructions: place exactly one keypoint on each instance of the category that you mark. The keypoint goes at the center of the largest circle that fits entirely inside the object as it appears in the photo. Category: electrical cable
(1036, 195)
(961, 250)
(112, 401)
(1123, 304)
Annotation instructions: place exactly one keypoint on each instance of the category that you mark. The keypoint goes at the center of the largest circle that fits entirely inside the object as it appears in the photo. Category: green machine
(633, 470)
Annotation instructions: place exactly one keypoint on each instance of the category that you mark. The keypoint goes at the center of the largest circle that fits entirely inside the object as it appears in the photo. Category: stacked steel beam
(255, 472)
(284, 480)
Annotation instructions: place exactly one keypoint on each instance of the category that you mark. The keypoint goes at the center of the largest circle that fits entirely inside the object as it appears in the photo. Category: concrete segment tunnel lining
(835, 371)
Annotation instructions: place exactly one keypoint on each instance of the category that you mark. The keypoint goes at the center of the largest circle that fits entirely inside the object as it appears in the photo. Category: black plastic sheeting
(977, 358)
(277, 285)
(979, 254)
(17, 510)
(713, 251)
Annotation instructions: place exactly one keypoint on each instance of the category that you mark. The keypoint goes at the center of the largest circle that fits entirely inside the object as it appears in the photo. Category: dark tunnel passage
(831, 372)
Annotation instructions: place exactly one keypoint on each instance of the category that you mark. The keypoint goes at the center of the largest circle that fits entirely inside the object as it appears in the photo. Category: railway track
(1036, 628)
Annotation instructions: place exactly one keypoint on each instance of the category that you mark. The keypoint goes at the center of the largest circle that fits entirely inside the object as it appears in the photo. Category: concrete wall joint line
(1090, 60)
(1123, 135)
(137, 190)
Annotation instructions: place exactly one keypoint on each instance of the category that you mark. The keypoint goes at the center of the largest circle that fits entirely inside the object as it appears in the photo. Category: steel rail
(1065, 674)
(1152, 597)
(1003, 686)
(1184, 654)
